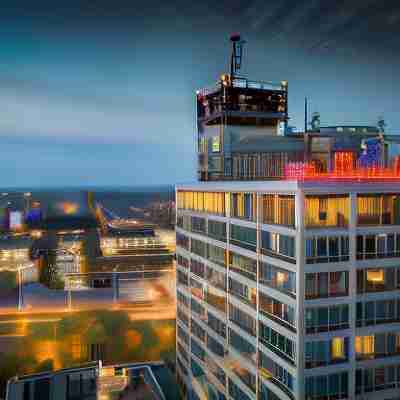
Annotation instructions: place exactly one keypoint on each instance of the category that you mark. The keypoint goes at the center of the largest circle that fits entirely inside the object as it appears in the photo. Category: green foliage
(8, 281)
(124, 341)
(75, 323)
(114, 322)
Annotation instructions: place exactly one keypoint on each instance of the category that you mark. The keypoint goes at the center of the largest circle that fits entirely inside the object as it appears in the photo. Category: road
(137, 312)
(140, 302)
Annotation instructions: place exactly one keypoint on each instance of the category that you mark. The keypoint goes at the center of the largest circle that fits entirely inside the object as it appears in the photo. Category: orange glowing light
(133, 338)
(47, 350)
(344, 161)
(68, 207)
(308, 171)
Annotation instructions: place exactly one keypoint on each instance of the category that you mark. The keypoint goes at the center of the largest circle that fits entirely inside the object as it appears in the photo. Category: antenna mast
(237, 54)
(305, 115)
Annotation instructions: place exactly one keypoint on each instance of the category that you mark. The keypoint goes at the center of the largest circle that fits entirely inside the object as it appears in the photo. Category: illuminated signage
(15, 220)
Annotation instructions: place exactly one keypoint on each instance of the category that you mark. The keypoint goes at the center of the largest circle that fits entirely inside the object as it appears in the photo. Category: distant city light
(68, 207)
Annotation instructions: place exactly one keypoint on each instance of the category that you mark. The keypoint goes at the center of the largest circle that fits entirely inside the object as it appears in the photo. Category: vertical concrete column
(258, 233)
(115, 287)
(352, 291)
(300, 282)
(20, 288)
(228, 224)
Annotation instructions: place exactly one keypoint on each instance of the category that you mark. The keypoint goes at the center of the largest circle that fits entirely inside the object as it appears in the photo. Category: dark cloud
(315, 24)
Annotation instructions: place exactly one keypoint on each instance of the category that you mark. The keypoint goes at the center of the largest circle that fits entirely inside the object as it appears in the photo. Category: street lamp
(20, 298)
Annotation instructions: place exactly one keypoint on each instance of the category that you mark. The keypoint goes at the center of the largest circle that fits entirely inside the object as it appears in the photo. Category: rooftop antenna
(381, 124)
(237, 54)
(315, 121)
(305, 114)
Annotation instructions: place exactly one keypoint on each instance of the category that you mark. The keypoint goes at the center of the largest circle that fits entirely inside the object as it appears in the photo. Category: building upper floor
(243, 134)
(312, 203)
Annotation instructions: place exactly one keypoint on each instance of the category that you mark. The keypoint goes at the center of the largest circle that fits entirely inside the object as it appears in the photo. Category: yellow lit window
(375, 275)
(215, 144)
(337, 348)
(281, 277)
(369, 344)
(358, 344)
(365, 345)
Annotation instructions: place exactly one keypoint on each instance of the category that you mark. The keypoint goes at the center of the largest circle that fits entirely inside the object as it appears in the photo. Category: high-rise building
(288, 278)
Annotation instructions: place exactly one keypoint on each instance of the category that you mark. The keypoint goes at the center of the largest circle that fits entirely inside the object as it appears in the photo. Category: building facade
(68, 261)
(150, 381)
(288, 278)
(289, 289)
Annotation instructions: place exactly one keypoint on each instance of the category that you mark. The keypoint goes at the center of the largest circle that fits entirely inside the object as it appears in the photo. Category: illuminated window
(375, 275)
(244, 206)
(337, 348)
(281, 277)
(328, 210)
(210, 202)
(365, 345)
(358, 344)
(378, 209)
(215, 144)
(278, 209)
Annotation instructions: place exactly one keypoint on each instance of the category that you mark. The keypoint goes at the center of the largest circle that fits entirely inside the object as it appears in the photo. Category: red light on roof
(345, 171)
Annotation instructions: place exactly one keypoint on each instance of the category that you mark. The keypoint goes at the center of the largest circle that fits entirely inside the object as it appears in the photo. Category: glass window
(311, 282)
(244, 205)
(198, 224)
(198, 247)
(277, 245)
(375, 280)
(212, 203)
(370, 246)
(381, 245)
(216, 278)
(390, 279)
(390, 245)
(334, 248)
(278, 278)
(334, 384)
(217, 255)
(243, 265)
(278, 209)
(321, 247)
(217, 230)
(338, 283)
(378, 209)
(334, 315)
(323, 318)
(323, 284)
(337, 348)
(327, 210)
(243, 237)
(369, 312)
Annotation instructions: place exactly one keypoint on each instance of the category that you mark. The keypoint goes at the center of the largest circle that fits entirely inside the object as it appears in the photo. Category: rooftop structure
(139, 381)
(242, 133)
(287, 261)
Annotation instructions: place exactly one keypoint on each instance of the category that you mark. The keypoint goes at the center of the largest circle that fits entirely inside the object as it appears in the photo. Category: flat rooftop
(317, 184)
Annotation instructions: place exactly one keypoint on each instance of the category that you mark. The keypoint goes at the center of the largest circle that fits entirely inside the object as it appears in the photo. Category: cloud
(51, 117)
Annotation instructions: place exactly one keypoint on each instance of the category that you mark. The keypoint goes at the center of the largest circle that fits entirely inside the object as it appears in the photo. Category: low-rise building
(139, 381)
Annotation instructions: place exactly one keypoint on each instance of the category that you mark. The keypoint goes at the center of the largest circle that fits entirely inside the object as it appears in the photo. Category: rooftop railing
(262, 85)
(245, 84)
